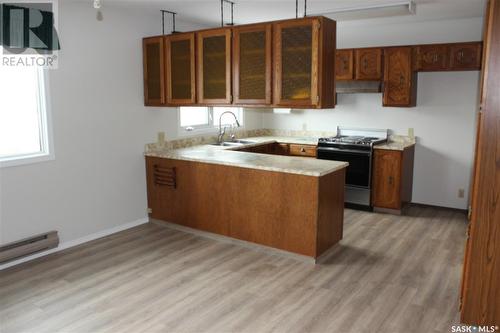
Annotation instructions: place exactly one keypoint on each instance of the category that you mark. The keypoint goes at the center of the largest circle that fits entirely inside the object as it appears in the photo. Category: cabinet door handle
(365, 64)
(435, 58)
(391, 180)
(302, 150)
(401, 80)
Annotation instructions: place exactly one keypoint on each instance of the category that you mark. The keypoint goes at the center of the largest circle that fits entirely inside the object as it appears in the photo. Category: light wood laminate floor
(390, 274)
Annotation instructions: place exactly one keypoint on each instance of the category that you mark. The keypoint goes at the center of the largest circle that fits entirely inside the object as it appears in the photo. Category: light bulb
(97, 4)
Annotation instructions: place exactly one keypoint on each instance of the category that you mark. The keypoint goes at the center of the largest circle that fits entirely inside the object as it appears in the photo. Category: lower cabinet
(392, 178)
(282, 149)
(302, 150)
(258, 206)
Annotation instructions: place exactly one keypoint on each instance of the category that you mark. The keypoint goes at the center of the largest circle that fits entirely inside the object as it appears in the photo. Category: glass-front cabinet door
(181, 83)
(214, 66)
(252, 64)
(296, 62)
(154, 75)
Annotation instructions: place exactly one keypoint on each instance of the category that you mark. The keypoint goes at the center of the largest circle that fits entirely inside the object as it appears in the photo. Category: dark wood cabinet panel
(259, 206)
(368, 64)
(387, 179)
(344, 65)
(181, 83)
(466, 56)
(433, 57)
(304, 70)
(214, 66)
(252, 64)
(400, 82)
(302, 150)
(392, 178)
(154, 71)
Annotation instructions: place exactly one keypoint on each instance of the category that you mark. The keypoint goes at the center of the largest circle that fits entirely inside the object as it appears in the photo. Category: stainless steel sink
(233, 143)
(228, 144)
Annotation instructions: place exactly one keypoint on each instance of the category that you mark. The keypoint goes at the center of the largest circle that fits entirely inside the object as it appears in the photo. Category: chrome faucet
(222, 130)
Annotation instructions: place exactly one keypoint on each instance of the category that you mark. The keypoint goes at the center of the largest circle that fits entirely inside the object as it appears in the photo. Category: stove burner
(351, 140)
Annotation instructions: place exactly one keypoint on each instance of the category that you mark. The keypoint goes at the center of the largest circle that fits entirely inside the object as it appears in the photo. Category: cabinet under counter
(298, 213)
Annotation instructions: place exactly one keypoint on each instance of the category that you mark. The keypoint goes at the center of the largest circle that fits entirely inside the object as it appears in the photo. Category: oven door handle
(349, 151)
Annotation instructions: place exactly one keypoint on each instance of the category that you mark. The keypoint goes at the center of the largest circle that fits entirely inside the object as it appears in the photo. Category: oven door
(359, 169)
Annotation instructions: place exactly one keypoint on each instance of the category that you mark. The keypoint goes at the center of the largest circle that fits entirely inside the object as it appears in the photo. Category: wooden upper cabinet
(252, 64)
(153, 71)
(432, 57)
(465, 56)
(304, 70)
(181, 84)
(368, 64)
(399, 77)
(344, 65)
(214, 66)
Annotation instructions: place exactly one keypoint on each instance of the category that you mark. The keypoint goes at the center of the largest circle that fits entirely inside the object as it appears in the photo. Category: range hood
(358, 87)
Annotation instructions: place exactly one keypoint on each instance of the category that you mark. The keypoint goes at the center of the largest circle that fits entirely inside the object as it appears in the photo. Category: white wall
(444, 119)
(97, 180)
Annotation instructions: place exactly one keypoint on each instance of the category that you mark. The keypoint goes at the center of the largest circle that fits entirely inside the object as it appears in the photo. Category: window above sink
(205, 119)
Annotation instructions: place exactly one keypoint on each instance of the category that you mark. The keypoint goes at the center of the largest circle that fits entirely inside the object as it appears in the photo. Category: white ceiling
(206, 13)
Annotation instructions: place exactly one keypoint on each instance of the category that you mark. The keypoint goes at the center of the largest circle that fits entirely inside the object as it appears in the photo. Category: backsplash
(208, 139)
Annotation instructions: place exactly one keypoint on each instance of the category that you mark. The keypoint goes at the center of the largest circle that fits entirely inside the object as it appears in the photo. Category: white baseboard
(78, 241)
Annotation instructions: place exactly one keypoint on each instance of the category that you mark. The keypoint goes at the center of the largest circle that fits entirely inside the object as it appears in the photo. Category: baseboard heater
(27, 246)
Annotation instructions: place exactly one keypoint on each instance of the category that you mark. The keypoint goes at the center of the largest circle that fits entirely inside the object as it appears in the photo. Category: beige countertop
(397, 142)
(225, 155)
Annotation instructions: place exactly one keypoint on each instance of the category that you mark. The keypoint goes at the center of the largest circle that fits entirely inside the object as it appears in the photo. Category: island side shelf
(296, 213)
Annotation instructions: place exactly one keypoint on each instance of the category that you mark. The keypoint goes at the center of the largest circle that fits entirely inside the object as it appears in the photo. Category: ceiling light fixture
(97, 4)
(408, 5)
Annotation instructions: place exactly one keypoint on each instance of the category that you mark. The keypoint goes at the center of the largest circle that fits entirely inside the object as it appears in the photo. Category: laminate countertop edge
(225, 156)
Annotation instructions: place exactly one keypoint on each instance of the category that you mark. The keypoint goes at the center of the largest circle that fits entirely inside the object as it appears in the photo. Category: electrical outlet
(161, 137)
(461, 193)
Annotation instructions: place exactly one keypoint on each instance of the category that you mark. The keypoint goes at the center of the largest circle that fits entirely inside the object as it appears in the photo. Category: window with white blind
(24, 121)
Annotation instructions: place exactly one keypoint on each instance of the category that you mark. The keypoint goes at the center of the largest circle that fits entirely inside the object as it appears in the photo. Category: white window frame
(210, 128)
(45, 125)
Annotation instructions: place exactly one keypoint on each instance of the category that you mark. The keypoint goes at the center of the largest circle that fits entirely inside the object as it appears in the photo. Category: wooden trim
(200, 37)
(267, 28)
(481, 285)
(168, 42)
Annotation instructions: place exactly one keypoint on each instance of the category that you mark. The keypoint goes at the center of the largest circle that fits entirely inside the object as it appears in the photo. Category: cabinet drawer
(303, 150)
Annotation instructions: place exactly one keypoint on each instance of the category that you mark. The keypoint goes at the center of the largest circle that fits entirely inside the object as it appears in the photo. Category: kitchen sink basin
(233, 143)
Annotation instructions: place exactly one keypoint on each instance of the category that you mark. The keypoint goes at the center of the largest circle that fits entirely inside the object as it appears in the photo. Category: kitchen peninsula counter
(295, 204)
